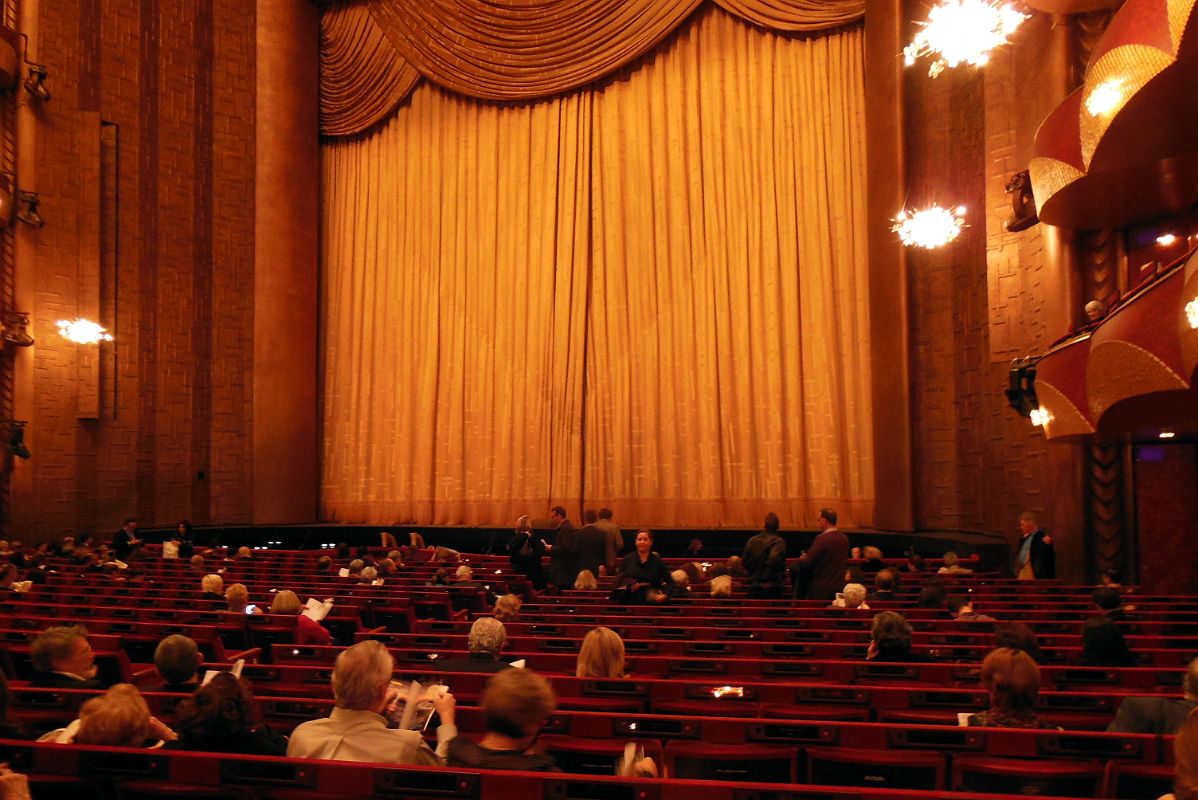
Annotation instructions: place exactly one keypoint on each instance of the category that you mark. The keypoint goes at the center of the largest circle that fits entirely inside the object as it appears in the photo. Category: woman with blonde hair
(117, 718)
(585, 582)
(238, 598)
(601, 655)
(307, 630)
(507, 608)
(721, 586)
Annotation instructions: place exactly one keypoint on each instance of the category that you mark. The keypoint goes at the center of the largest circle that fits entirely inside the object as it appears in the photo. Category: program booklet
(235, 671)
(316, 610)
(414, 704)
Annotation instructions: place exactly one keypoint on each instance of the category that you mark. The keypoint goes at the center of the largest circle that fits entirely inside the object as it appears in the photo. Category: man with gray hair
(357, 729)
(487, 637)
(1158, 714)
(63, 658)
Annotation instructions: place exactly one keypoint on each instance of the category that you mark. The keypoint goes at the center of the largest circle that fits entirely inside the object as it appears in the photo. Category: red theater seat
(1027, 776)
(896, 769)
(731, 762)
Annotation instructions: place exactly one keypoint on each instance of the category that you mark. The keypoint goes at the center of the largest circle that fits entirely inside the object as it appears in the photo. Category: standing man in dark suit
(563, 553)
(125, 541)
(592, 545)
(615, 539)
(1036, 557)
(765, 560)
(827, 558)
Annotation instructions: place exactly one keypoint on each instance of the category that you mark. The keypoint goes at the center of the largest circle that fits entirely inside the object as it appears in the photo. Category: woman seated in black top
(516, 704)
(891, 639)
(642, 577)
(221, 718)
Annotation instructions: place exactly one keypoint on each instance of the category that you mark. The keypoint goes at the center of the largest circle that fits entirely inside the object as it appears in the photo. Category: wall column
(286, 220)
(888, 302)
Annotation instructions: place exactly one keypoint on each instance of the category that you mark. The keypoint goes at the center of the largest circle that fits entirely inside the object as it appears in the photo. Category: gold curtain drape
(372, 51)
(362, 76)
(649, 294)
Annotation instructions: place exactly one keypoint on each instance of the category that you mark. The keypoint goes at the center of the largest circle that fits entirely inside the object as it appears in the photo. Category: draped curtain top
(374, 51)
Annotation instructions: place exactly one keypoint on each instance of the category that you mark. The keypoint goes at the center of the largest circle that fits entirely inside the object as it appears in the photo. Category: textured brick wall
(170, 84)
(974, 305)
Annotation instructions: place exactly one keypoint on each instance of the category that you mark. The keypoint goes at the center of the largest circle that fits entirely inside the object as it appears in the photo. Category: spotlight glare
(83, 331)
(1166, 433)
(1040, 417)
(1166, 239)
(963, 32)
(930, 228)
(1192, 313)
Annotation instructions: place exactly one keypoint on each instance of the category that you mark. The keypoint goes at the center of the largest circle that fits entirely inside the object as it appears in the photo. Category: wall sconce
(16, 439)
(35, 81)
(16, 329)
(27, 205)
(1023, 203)
(1021, 386)
(83, 331)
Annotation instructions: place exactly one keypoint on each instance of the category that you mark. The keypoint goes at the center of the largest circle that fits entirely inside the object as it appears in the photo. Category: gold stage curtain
(509, 50)
(362, 76)
(649, 294)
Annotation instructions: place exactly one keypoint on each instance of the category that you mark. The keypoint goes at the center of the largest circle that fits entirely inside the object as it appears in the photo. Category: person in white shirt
(357, 730)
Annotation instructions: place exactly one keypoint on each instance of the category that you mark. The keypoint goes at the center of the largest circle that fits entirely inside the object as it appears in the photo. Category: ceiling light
(963, 32)
(1166, 434)
(1192, 313)
(930, 228)
(1166, 239)
(83, 331)
(1040, 417)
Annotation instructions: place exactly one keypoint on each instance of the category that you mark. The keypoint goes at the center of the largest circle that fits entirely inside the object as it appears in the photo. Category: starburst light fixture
(963, 32)
(83, 331)
(930, 228)
(1040, 417)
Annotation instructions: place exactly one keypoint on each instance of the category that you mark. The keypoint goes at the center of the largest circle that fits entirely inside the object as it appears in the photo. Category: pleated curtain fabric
(649, 293)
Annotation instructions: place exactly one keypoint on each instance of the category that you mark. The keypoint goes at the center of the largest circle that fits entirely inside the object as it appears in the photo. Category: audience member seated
(196, 565)
(221, 718)
(885, 584)
(853, 596)
(931, 595)
(516, 704)
(244, 554)
(369, 576)
(601, 655)
(445, 555)
(721, 586)
(464, 578)
(357, 729)
(507, 608)
(915, 563)
(1157, 713)
(585, 582)
(1113, 578)
(355, 568)
(961, 608)
(682, 581)
(1012, 680)
(1017, 636)
(117, 718)
(952, 565)
(13, 785)
(177, 661)
(854, 574)
(238, 598)
(1109, 603)
(1103, 645)
(487, 637)
(642, 576)
(1185, 757)
(213, 586)
(873, 559)
(8, 578)
(891, 639)
(307, 630)
(63, 658)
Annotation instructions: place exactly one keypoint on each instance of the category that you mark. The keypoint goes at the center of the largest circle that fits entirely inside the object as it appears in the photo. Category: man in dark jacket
(1036, 556)
(563, 553)
(591, 545)
(765, 560)
(826, 560)
(63, 658)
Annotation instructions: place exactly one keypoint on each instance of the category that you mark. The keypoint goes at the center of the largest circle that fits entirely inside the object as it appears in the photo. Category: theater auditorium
(598, 399)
